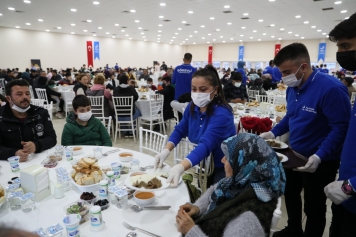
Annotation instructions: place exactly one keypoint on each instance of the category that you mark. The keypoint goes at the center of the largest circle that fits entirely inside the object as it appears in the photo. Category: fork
(136, 228)
(105, 154)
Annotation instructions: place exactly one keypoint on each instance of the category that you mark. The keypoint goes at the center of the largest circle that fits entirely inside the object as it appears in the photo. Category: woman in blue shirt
(207, 121)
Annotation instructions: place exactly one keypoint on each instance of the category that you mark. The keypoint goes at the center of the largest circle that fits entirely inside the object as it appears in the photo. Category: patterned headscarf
(255, 165)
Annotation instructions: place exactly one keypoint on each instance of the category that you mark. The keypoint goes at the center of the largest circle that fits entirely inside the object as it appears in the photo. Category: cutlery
(136, 228)
(106, 154)
(147, 167)
(131, 234)
(138, 208)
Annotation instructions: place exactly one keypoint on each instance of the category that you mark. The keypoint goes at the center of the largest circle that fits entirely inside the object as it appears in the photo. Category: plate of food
(282, 157)
(253, 103)
(281, 108)
(146, 182)
(277, 144)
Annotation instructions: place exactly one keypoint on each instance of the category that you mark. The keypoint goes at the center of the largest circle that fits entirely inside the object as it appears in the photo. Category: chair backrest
(175, 114)
(123, 105)
(279, 100)
(243, 130)
(156, 104)
(277, 214)
(38, 102)
(252, 94)
(49, 108)
(97, 105)
(41, 94)
(31, 92)
(262, 98)
(353, 96)
(106, 121)
(152, 141)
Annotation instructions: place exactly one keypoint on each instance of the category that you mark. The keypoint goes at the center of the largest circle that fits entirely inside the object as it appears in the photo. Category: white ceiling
(281, 13)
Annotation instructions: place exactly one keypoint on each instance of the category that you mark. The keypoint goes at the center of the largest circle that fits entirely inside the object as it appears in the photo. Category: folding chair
(276, 216)
(97, 105)
(107, 122)
(38, 102)
(123, 106)
(42, 94)
(68, 103)
(31, 93)
(152, 141)
(156, 113)
(252, 94)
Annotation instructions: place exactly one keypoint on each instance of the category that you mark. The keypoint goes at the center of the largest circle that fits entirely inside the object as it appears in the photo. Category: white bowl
(144, 202)
(77, 152)
(127, 158)
(85, 188)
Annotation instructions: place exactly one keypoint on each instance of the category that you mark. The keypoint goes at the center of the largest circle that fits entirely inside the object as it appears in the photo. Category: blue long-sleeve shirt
(182, 78)
(277, 75)
(348, 161)
(206, 131)
(268, 70)
(243, 74)
(317, 117)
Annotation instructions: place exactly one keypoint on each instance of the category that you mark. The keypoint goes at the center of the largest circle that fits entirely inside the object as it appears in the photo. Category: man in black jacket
(164, 67)
(24, 128)
(168, 93)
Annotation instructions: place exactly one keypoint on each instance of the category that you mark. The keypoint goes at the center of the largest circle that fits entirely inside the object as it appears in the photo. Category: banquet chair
(252, 94)
(175, 113)
(203, 170)
(97, 105)
(278, 100)
(353, 96)
(263, 98)
(38, 102)
(49, 107)
(42, 94)
(2, 86)
(31, 92)
(107, 122)
(243, 130)
(123, 106)
(156, 113)
(276, 216)
(68, 103)
(152, 141)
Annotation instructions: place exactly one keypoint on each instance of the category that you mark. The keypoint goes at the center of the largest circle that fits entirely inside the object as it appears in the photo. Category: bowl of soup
(125, 156)
(144, 198)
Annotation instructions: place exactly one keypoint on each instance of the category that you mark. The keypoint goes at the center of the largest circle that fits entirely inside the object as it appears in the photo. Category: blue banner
(241, 53)
(321, 52)
(96, 50)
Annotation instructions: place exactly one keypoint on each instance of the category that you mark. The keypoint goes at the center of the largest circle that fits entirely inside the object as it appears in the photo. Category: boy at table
(82, 128)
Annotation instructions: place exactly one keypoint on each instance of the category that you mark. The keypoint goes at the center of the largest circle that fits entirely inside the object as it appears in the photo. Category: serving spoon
(138, 208)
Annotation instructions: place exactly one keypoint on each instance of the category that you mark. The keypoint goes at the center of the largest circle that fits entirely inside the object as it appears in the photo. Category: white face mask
(237, 84)
(291, 80)
(85, 116)
(18, 109)
(201, 99)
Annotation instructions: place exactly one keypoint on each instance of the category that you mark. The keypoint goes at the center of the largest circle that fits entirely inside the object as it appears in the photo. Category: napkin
(255, 125)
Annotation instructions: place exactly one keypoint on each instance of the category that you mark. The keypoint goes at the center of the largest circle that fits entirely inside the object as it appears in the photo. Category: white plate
(167, 174)
(283, 145)
(284, 159)
(163, 181)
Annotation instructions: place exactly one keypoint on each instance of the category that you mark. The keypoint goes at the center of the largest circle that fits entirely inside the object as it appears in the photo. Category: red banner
(277, 47)
(210, 55)
(90, 54)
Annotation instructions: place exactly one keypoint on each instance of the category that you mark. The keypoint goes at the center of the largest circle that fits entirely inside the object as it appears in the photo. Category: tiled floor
(129, 143)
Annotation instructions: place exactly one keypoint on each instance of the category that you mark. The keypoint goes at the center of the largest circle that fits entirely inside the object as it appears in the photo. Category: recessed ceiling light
(89, 20)
(96, 3)
(158, 35)
(279, 38)
(243, 27)
(202, 37)
(159, 31)
(73, 10)
(337, 2)
(137, 21)
(144, 40)
(176, 33)
(140, 28)
(194, 43)
(190, 36)
(160, 25)
(229, 23)
(313, 27)
(306, 22)
(297, 16)
(302, 37)
(158, 38)
(40, 20)
(11, 9)
(142, 33)
(173, 37)
(158, 41)
(117, 24)
(251, 37)
(231, 38)
(132, 10)
(271, 25)
(260, 20)
(347, 18)
(242, 35)
(290, 32)
(130, 38)
(212, 18)
(327, 36)
(17, 27)
(208, 42)
(214, 39)
(162, 4)
(100, 27)
(343, 11)
(240, 40)
(272, 36)
(127, 35)
(85, 30)
(221, 36)
(27, 1)
(264, 34)
(113, 36)
(59, 27)
(107, 33)
(254, 31)
(28, 24)
(122, 30)
(296, 35)
(184, 22)
(143, 36)
(72, 33)
(0, 14)
(223, 41)
(209, 34)
(281, 29)
(319, 30)
(245, 14)
(202, 26)
(187, 39)
(217, 29)
(324, 34)
(259, 39)
(161, 17)
(190, 12)
(226, 6)
(195, 31)
(94, 34)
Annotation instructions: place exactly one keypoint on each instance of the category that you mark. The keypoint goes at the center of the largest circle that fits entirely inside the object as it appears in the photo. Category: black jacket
(168, 93)
(164, 67)
(37, 128)
(128, 91)
(232, 92)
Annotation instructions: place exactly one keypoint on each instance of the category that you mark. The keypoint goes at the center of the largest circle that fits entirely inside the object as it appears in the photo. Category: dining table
(50, 211)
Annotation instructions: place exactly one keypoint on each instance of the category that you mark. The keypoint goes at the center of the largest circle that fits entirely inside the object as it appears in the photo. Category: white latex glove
(334, 192)
(267, 135)
(311, 165)
(160, 158)
(174, 175)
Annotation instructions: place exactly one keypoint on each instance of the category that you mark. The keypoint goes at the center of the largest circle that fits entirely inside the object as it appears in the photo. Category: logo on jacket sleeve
(39, 129)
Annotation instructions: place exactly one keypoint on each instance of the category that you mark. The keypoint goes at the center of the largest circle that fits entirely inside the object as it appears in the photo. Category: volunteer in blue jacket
(241, 65)
(269, 69)
(318, 110)
(182, 76)
(343, 191)
(207, 121)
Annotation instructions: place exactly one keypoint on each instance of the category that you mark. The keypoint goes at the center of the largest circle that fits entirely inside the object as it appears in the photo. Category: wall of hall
(55, 50)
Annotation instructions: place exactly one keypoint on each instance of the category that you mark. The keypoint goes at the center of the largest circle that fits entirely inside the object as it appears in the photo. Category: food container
(84, 188)
(125, 169)
(28, 202)
(50, 162)
(121, 196)
(55, 230)
(103, 203)
(14, 163)
(77, 150)
(71, 223)
(144, 198)
(79, 207)
(126, 156)
(88, 194)
(135, 165)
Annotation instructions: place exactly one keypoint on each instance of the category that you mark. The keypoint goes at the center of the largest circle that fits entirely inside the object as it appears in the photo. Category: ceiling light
(94, 34)
(306, 22)
(195, 31)
(260, 20)
(221, 36)
(217, 29)
(162, 4)
(100, 27)
(302, 37)
(0, 14)
(271, 25)
(190, 12)
(96, 3)
(231, 38)
(327, 36)
(17, 27)
(40, 20)
(281, 29)
(27, 1)
(187, 39)
(324, 34)
(290, 32)
(259, 39)
(173, 37)
(122, 30)
(214, 39)
(337, 2)
(158, 38)
(88, 20)
(116, 24)
(208, 42)
(184, 22)
(212, 18)
(202, 37)
(190, 36)
(223, 41)
(142, 33)
(264, 34)
(313, 27)
(194, 43)
(158, 35)
(73, 10)
(226, 6)
(137, 21)
(143, 36)
(127, 35)
(144, 40)
(202, 26)
(28, 24)
(107, 33)
(229, 23)
(297, 16)
(85, 30)
(243, 27)
(72, 33)
(241, 35)
(279, 38)
(319, 30)
(140, 28)
(47, 30)
(159, 31)
(296, 35)
(158, 41)
(161, 17)
(176, 33)
(245, 14)
(272, 36)
(343, 11)
(113, 36)
(209, 34)
(11, 9)
(59, 27)
(251, 37)
(130, 38)
(132, 10)
(160, 25)
(254, 31)
(347, 18)
(240, 40)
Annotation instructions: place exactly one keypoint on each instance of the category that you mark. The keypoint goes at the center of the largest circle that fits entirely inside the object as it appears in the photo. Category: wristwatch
(347, 188)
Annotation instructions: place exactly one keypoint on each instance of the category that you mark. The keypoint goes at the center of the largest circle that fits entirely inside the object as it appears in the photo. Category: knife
(157, 207)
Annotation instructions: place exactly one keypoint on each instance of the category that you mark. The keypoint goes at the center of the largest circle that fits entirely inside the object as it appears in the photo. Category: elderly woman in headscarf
(242, 203)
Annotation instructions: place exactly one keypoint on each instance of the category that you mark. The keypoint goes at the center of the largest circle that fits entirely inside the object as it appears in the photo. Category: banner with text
(321, 52)
(96, 50)
(241, 52)
(210, 55)
(277, 47)
(90, 54)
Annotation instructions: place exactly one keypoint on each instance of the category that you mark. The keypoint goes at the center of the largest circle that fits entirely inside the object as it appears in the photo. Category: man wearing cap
(347, 81)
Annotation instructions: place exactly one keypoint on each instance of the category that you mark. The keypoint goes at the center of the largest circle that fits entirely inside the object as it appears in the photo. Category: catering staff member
(318, 110)
(24, 128)
(202, 124)
(343, 191)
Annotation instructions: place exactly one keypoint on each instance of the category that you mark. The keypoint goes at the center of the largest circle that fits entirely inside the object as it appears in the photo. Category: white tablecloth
(51, 211)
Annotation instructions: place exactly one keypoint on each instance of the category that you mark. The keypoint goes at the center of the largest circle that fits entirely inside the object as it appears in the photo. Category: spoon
(138, 208)
(131, 234)
(147, 167)
(106, 154)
